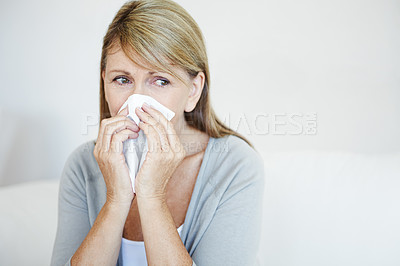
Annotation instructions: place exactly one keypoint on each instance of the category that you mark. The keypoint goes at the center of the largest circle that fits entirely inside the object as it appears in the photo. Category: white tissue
(135, 150)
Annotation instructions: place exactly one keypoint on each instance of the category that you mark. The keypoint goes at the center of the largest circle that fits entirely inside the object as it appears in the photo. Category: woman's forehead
(116, 53)
(119, 59)
(118, 56)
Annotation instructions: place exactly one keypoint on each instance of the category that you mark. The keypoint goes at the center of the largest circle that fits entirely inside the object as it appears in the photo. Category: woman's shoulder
(233, 159)
(233, 168)
(237, 151)
(82, 150)
(82, 157)
(79, 167)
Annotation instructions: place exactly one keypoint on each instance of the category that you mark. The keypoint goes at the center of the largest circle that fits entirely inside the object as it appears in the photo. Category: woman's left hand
(165, 153)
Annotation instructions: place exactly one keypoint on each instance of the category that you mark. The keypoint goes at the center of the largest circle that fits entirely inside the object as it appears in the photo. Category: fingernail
(146, 105)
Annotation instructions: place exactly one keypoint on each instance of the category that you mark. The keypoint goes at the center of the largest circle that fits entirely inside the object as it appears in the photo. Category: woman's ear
(195, 91)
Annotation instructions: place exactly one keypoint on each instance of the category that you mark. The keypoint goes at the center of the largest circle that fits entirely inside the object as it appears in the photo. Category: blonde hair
(161, 32)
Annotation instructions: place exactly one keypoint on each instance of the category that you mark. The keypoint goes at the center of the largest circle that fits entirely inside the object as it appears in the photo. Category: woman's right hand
(108, 152)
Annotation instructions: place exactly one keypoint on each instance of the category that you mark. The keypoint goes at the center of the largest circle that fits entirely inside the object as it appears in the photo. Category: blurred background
(295, 77)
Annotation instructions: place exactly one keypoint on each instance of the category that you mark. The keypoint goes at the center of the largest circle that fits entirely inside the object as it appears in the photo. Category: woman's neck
(192, 139)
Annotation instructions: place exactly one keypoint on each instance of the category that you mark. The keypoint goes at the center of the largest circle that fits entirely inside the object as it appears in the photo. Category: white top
(133, 252)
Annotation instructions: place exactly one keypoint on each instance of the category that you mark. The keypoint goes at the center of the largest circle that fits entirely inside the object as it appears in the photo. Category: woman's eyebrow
(121, 71)
(127, 73)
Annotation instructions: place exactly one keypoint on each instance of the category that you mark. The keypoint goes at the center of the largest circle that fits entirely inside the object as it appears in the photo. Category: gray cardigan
(223, 221)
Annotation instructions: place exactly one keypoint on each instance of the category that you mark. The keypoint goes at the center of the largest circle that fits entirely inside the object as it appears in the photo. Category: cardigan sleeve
(233, 235)
(73, 219)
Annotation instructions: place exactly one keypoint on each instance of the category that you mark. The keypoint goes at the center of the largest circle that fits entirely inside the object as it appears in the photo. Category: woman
(199, 192)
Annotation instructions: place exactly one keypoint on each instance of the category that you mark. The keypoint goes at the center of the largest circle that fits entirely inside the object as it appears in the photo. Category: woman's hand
(109, 155)
(165, 153)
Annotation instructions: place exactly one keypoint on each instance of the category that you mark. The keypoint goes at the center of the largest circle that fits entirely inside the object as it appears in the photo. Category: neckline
(194, 198)
(192, 203)
(128, 241)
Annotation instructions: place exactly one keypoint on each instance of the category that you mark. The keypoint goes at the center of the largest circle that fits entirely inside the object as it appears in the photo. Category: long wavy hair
(161, 32)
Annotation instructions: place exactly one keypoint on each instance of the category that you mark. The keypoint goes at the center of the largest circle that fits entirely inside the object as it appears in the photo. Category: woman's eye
(122, 80)
(162, 82)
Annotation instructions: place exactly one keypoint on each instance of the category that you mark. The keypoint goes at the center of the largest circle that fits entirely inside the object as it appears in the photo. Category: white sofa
(320, 208)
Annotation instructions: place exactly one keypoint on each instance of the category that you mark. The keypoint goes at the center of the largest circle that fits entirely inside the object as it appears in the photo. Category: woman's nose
(139, 87)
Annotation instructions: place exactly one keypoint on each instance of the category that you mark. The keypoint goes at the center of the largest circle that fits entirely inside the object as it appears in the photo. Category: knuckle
(107, 129)
(102, 154)
(100, 158)
(103, 123)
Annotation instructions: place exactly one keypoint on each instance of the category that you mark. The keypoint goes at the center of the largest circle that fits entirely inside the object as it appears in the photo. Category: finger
(103, 125)
(124, 111)
(167, 125)
(119, 138)
(153, 140)
(114, 127)
(157, 126)
(158, 116)
(120, 116)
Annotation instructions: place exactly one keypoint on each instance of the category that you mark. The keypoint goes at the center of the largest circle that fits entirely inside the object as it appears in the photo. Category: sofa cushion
(28, 222)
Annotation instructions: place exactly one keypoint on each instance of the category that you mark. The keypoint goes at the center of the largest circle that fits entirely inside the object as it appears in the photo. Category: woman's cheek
(115, 101)
(114, 106)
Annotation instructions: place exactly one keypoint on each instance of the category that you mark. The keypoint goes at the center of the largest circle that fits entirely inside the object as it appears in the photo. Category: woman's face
(123, 77)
